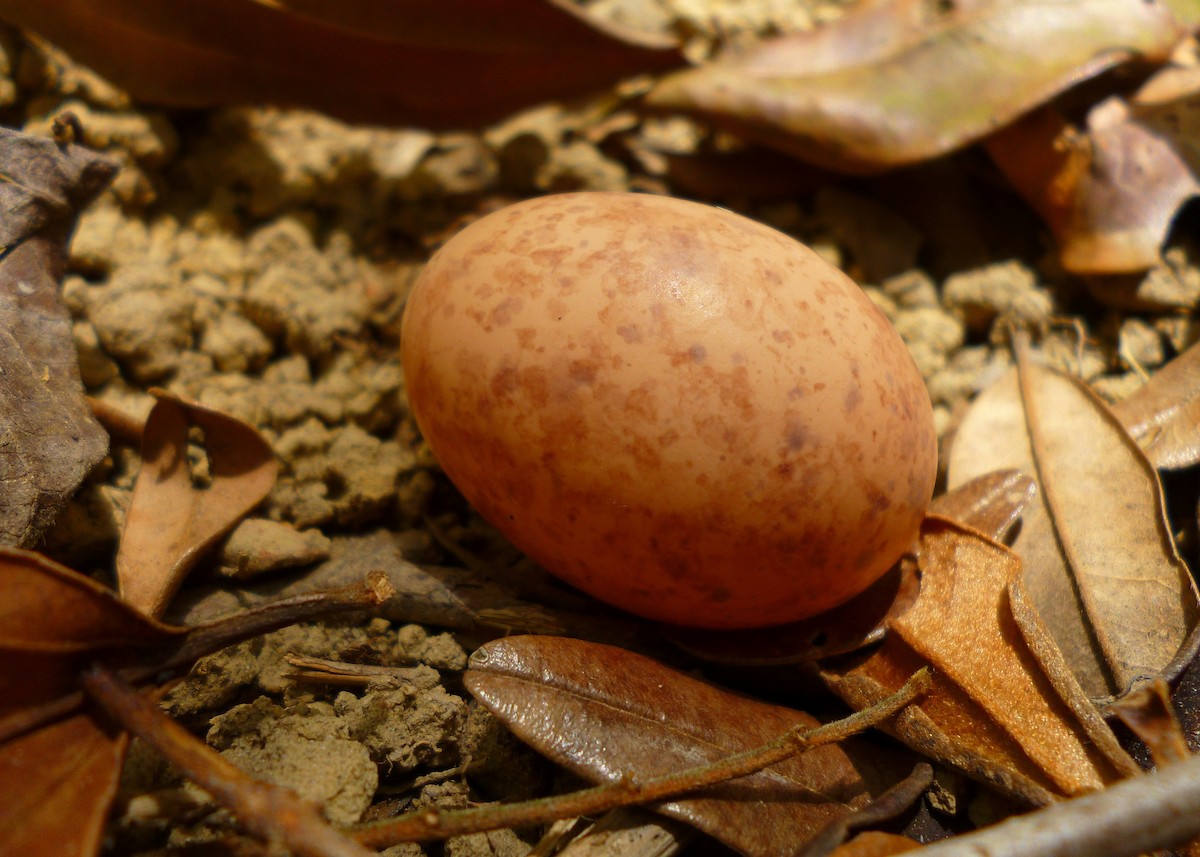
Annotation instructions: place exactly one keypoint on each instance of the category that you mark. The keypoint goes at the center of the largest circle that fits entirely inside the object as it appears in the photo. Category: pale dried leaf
(899, 82)
(1163, 416)
(1100, 565)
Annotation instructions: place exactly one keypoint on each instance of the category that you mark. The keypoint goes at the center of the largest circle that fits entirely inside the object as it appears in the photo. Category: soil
(257, 260)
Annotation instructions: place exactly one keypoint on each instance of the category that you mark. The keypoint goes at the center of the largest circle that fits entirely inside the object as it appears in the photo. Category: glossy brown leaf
(1099, 562)
(1163, 416)
(49, 439)
(893, 83)
(606, 713)
(992, 713)
(172, 520)
(426, 63)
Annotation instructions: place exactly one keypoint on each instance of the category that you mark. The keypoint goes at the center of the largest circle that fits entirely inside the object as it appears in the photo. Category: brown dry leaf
(59, 780)
(58, 784)
(1111, 191)
(59, 761)
(172, 520)
(434, 64)
(902, 81)
(1100, 565)
(991, 503)
(1109, 194)
(1151, 717)
(1163, 416)
(606, 713)
(49, 439)
(992, 713)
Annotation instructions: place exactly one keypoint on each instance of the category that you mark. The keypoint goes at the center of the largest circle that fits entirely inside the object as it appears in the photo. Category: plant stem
(273, 813)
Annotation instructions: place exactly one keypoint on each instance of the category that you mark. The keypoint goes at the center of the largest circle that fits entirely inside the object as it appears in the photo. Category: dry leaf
(1150, 716)
(59, 781)
(171, 519)
(59, 765)
(992, 712)
(58, 784)
(991, 503)
(606, 713)
(1163, 416)
(49, 439)
(434, 64)
(893, 83)
(1109, 194)
(1099, 561)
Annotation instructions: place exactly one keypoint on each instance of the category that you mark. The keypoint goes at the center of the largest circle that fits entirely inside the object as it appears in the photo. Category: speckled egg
(676, 409)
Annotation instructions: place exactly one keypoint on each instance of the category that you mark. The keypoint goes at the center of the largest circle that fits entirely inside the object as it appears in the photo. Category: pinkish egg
(678, 410)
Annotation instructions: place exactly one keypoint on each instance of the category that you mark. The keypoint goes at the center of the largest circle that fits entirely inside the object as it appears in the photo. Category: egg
(678, 410)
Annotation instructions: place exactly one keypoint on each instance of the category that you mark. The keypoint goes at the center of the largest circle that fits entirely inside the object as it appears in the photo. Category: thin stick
(432, 824)
(273, 813)
(201, 640)
(1131, 817)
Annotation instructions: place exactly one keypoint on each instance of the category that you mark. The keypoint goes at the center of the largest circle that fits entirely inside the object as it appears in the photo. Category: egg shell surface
(680, 411)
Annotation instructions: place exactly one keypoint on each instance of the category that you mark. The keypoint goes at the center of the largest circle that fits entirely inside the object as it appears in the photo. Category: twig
(1131, 817)
(430, 824)
(273, 813)
(162, 666)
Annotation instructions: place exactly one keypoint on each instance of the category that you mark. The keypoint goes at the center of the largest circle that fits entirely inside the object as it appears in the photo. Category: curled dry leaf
(607, 713)
(1109, 194)
(1163, 416)
(434, 64)
(49, 439)
(893, 83)
(1150, 716)
(992, 713)
(172, 519)
(1100, 565)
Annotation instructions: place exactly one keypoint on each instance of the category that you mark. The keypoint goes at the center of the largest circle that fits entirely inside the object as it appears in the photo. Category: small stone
(440, 651)
(983, 294)
(1140, 345)
(931, 334)
(258, 546)
(144, 320)
(911, 290)
(305, 749)
(1114, 388)
(95, 367)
